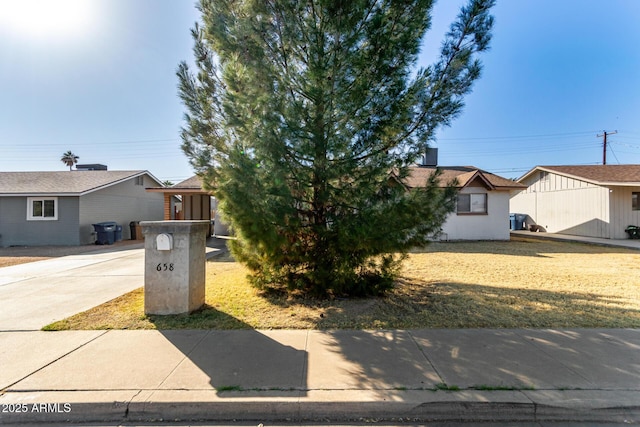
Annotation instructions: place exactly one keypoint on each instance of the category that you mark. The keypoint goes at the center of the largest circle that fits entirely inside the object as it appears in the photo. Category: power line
(549, 135)
(18, 145)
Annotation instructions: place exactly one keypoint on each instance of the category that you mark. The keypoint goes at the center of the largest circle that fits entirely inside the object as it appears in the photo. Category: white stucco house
(482, 208)
(593, 201)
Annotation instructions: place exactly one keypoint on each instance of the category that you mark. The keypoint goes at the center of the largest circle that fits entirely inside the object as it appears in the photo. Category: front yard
(518, 284)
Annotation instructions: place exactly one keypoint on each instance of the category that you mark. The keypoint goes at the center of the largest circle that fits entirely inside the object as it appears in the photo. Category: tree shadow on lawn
(520, 247)
(415, 304)
(469, 305)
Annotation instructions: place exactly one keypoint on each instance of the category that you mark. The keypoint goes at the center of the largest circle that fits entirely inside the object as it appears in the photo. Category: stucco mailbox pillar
(174, 266)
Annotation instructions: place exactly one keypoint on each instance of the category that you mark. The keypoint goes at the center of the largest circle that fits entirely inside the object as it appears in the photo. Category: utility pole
(604, 144)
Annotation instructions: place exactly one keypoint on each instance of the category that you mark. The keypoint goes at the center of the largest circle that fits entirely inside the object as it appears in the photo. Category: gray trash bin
(521, 221)
(106, 232)
(512, 221)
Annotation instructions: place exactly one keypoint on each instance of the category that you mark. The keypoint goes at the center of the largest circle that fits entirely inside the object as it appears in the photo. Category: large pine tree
(304, 117)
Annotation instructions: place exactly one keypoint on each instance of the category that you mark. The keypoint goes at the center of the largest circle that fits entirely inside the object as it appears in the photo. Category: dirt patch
(23, 254)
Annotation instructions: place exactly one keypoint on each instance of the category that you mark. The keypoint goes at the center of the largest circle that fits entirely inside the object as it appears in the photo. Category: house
(482, 208)
(594, 201)
(59, 208)
(196, 204)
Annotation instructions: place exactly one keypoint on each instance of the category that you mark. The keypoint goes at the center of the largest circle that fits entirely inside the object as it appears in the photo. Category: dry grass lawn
(518, 284)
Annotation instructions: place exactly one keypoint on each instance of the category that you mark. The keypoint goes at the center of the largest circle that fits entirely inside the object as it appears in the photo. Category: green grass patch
(485, 387)
(229, 388)
(445, 387)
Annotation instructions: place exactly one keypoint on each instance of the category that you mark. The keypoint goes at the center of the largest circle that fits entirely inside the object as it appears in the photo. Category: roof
(595, 174)
(191, 185)
(193, 182)
(65, 183)
(464, 174)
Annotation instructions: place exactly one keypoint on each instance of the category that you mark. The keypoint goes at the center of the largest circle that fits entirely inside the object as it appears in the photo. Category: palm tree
(69, 159)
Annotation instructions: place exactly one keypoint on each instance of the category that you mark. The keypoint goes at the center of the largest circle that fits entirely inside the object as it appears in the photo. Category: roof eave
(479, 175)
(531, 172)
(40, 194)
(619, 184)
(582, 178)
(174, 190)
(116, 182)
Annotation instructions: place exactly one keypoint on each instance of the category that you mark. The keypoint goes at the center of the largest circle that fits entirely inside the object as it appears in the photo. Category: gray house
(59, 208)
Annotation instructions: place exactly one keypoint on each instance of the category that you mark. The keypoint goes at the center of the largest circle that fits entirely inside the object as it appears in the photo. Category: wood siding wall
(196, 207)
(570, 206)
(622, 214)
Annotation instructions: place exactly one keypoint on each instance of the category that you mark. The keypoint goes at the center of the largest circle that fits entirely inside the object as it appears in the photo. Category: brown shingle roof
(191, 185)
(73, 183)
(464, 174)
(193, 182)
(597, 174)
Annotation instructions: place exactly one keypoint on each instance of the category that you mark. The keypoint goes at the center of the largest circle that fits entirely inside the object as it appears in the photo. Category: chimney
(430, 157)
(91, 167)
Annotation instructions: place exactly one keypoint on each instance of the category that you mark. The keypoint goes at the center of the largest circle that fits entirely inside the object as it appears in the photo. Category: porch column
(167, 206)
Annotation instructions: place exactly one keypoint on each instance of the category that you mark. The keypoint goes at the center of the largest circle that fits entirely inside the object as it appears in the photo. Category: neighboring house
(594, 201)
(196, 204)
(59, 208)
(482, 208)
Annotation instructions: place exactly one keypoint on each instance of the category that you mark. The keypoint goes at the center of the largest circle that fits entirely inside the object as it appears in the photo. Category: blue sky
(97, 77)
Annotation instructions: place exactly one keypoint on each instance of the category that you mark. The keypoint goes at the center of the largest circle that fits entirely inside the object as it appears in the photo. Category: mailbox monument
(174, 266)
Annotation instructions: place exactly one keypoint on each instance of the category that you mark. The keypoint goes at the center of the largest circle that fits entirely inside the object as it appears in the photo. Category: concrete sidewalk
(429, 375)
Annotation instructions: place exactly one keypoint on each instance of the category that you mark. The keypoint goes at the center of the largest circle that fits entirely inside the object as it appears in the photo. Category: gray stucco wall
(122, 203)
(16, 230)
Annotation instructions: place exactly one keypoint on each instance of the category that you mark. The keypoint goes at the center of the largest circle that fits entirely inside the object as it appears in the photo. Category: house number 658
(164, 267)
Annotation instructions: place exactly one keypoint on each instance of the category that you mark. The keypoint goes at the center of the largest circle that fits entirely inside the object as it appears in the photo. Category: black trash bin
(132, 230)
(633, 231)
(106, 232)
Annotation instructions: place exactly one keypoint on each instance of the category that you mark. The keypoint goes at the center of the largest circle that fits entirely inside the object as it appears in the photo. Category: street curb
(303, 406)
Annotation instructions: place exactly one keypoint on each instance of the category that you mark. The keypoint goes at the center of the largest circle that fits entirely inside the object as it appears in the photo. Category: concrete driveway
(35, 294)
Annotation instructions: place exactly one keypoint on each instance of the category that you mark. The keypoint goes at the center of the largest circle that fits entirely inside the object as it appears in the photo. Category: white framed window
(140, 180)
(473, 203)
(42, 208)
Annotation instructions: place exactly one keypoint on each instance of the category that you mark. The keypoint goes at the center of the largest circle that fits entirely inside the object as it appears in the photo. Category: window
(140, 180)
(40, 208)
(635, 203)
(472, 203)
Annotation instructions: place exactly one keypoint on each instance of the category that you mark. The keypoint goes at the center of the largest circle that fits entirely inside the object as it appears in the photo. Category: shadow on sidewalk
(240, 360)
